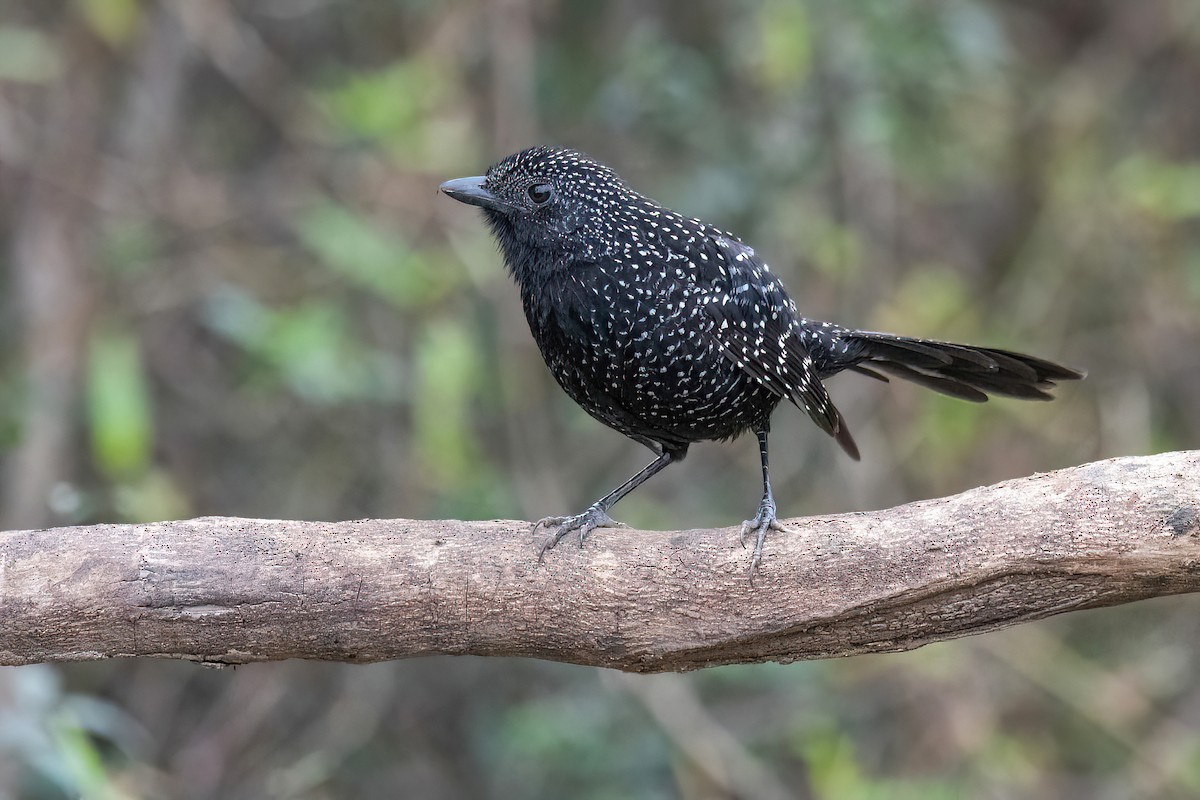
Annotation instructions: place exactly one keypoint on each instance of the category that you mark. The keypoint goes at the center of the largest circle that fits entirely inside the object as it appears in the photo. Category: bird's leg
(765, 519)
(596, 515)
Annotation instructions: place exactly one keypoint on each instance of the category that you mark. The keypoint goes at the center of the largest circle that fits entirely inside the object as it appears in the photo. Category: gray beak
(470, 191)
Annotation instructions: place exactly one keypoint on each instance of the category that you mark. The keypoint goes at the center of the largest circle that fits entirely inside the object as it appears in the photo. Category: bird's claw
(585, 523)
(763, 522)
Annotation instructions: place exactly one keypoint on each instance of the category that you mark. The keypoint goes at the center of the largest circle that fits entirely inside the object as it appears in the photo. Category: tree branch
(230, 591)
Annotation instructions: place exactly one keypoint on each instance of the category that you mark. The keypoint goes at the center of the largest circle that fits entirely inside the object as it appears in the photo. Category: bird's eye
(540, 193)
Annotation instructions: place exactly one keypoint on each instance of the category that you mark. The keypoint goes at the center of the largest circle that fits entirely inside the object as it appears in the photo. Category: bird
(673, 331)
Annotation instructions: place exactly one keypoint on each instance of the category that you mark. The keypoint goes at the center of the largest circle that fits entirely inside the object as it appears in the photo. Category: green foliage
(116, 21)
(836, 250)
(67, 738)
(374, 259)
(1156, 186)
(932, 299)
(446, 380)
(120, 409)
(309, 347)
(27, 56)
(838, 772)
(408, 109)
(785, 46)
(578, 746)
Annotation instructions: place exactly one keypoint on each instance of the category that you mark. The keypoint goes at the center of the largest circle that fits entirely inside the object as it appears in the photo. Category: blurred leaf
(27, 56)
(309, 346)
(948, 429)
(836, 250)
(411, 108)
(447, 367)
(931, 301)
(235, 314)
(115, 21)
(657, 86)
(152, 497)
(386, 104)
(62, 737)
(82, 763)
(585, 745)
(837, 773)
(786, 52)
(120, 409)
(1163, 188)
(374, 259)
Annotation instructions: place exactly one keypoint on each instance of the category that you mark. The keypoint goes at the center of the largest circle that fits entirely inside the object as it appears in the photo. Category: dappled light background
(229, 286)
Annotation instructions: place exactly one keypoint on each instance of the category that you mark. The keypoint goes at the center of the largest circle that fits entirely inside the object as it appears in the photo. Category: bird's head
(546, 206)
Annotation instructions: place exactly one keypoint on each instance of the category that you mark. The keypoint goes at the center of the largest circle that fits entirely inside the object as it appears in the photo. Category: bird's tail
(959, 370)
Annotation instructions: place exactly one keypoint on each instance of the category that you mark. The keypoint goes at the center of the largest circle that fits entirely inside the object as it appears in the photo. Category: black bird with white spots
(672, 331)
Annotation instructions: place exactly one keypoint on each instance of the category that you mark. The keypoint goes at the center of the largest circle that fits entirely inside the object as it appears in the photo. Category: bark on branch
(230, 591)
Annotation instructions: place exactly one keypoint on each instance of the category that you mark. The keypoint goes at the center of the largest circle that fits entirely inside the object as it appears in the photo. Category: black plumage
(672, 331)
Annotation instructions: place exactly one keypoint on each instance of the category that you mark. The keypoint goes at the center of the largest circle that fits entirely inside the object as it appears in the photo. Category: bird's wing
(755, 324)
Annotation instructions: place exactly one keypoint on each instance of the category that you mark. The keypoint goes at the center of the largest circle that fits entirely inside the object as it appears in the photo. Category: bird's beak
(470, 191)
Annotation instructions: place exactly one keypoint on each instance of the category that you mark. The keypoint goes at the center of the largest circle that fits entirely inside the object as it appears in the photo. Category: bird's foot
(763, 521)
(585, 523)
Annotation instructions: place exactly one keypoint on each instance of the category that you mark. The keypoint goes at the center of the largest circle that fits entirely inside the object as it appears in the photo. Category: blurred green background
(229, 286)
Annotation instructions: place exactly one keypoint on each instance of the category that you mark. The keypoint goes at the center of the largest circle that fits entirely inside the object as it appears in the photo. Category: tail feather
(962, 371)
(870, 373)
(947, 386)
(842, 436)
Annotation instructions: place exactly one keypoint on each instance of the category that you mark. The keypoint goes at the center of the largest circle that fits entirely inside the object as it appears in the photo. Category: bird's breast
(625, 346)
